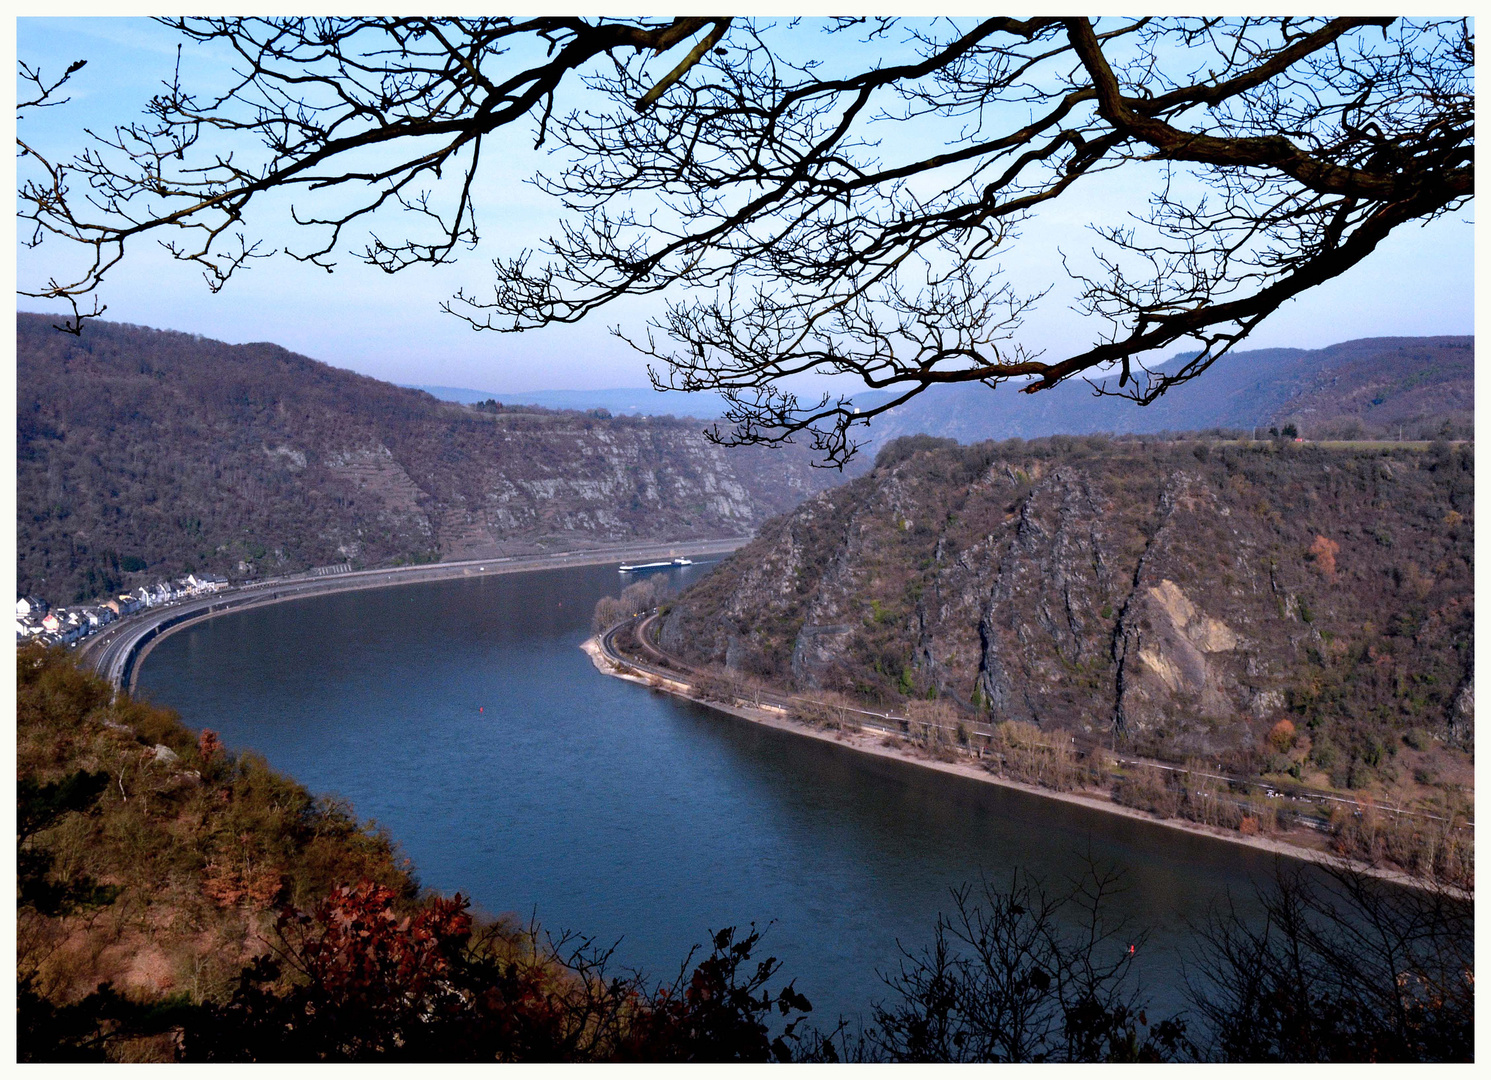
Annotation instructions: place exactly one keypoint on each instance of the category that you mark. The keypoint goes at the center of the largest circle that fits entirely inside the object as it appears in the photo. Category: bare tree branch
(764, 188)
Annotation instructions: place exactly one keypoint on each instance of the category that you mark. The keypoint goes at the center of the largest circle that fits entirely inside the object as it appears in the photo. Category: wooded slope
(144, 454)
(1368, 387)
(1180, 597)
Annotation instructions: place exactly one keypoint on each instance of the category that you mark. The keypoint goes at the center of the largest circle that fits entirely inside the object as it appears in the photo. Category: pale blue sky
(1418, 282)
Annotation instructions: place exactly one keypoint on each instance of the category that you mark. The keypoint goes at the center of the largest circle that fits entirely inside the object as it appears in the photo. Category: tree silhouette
(777, 204)
(1342, 967)
(1017, 973)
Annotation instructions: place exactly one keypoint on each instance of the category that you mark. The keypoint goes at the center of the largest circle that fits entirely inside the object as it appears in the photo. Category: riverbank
(118, 653)
(879, 744)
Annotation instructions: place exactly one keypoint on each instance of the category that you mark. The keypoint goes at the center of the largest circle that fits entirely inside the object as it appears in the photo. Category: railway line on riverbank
(1311, 808)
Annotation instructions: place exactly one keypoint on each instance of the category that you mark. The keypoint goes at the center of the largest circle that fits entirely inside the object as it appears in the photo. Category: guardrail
(314, 581)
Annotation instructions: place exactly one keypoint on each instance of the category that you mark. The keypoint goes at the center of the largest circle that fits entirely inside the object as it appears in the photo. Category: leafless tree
(1019, 974)
(777, 205)
(1341, 967)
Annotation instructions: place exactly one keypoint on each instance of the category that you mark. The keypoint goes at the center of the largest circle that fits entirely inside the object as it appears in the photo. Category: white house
(30, 605)
(205, 583)
(99, 616)
(65, 625)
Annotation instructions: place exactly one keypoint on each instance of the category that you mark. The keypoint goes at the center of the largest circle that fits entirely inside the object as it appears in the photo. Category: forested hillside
(1372, 387)
(145, 453)
(1180, 598)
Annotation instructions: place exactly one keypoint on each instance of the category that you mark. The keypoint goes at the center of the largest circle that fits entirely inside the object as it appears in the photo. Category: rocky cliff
(145, 453)
(1179, 596)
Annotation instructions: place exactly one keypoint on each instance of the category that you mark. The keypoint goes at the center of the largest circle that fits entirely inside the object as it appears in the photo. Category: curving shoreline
(859, 741)
(124, 652)
(117, 654)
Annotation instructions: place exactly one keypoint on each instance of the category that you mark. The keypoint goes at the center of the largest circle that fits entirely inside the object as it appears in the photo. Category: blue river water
(463, 716)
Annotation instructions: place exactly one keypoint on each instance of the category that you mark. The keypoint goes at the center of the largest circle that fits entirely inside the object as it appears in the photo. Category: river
(463, 716)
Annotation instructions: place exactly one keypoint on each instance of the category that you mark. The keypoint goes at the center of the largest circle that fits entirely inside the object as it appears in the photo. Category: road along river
(116, 653)
(462, 715)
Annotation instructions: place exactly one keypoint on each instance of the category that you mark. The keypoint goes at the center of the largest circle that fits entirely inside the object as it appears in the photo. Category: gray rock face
(815, 649)
(249, 460)
(1462, 716)
(1179, 593)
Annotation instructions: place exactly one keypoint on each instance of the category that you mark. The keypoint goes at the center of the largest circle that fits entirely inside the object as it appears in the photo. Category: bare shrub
(1028, 754)
(1098, 765)
(1148, 788)
(815, 714)
(1206, 798)
(717, 688)
(934, 725)
(636, 598)
(1439, 848)
(1344, 968)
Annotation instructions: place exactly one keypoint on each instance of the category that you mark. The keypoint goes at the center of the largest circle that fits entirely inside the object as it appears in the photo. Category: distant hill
(146, 453)
(1369, 387)
(619, 401)
(1373, 386)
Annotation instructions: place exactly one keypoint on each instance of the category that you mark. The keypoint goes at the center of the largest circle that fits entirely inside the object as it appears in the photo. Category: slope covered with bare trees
(1180, 599)
(144, 454)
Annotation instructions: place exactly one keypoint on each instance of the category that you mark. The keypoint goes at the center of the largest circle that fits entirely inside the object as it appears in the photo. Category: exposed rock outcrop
(140, 445)
(1164, 592)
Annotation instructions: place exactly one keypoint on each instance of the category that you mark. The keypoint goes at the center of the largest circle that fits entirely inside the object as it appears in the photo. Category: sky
(1420, 281)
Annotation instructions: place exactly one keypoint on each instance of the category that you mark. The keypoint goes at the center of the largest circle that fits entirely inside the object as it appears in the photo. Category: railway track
(636, 634)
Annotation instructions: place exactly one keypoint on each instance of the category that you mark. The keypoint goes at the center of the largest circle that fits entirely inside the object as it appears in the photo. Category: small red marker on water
(483, 708)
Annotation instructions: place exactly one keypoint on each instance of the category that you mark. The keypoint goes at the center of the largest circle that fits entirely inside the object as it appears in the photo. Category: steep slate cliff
(139, 446)
(1182, 595)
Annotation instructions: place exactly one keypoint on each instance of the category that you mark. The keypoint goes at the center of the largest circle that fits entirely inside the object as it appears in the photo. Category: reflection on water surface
(463, 716)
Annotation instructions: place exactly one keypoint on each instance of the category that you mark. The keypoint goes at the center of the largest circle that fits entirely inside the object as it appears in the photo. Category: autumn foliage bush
(363, 978)
(345, 962)
(152, 872)
(287, 931)
(1324, 550)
